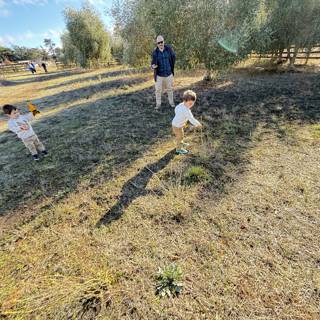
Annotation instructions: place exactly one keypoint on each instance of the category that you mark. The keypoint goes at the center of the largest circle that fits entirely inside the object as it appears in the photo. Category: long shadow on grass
(135, 188)
(115, 131)
(108, 134)
(87, 91)
(100, 76)
(231, 115)
(48, 76)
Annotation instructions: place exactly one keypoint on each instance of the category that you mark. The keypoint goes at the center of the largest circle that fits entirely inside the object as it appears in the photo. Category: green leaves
(86, 41)
(168, 281)
(194, 28)
(196, 174)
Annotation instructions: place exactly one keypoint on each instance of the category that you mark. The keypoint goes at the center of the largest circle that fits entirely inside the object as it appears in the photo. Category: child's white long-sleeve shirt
(183, 114)
(14, 125)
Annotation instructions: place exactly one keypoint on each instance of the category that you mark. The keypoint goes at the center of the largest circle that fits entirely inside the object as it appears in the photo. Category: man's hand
(154, 66)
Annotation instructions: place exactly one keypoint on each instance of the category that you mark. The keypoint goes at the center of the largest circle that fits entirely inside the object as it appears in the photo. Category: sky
(28, 22)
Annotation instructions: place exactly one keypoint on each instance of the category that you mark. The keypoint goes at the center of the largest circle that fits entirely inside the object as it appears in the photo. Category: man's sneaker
(45, 153)
(172, 106)
(182, 151)
(158, 106)
(35, 157)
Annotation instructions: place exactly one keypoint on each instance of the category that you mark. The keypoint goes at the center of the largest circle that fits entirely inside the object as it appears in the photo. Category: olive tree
(87, 34)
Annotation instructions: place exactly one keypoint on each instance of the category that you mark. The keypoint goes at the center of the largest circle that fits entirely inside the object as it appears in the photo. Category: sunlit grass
(244, 229)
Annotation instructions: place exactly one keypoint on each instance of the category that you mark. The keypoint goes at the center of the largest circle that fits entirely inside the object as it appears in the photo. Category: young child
(184, 114)
(19, 124)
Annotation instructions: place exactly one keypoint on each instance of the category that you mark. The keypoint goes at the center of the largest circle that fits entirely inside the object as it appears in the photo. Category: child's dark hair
(8, 108)
(189, 95)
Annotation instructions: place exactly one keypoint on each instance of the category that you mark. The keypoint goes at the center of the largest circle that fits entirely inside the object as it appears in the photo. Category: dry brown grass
(246, 239)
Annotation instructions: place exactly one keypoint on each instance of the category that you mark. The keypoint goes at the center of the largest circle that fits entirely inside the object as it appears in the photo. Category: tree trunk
(293, 58)
(308, 54)
(288, 54)
(208, 76)
(279, 58)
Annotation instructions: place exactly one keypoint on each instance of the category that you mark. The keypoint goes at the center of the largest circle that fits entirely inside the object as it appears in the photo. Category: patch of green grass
(196, 174)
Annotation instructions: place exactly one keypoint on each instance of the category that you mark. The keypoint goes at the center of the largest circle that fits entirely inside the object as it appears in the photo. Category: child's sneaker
(45, 153)
(35, 157)
(182, 151)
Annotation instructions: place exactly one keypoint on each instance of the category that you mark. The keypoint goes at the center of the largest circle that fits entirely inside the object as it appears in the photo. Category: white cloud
(30, 2)
(52, 33)
(98, 2)
(28, 35)
(5, 12)
(8, 40)
(95, 3)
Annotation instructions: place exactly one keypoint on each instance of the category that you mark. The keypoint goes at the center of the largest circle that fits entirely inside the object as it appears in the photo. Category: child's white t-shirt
(183, 114)
(14, 125)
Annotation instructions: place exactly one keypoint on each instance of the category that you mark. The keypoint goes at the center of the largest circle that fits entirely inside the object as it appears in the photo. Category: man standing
(163, 60)
(44, 66)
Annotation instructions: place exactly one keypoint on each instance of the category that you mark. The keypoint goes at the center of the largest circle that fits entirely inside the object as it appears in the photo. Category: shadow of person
(134, 188)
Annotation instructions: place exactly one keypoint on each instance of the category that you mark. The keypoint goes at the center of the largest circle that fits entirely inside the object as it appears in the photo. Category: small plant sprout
(168, 281)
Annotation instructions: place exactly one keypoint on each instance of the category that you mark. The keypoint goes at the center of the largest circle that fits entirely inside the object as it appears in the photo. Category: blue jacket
(172, 59)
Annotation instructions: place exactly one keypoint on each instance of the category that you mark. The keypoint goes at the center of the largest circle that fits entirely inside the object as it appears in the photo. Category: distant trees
(86, 41)
(51, 49)
(50, 46)
(7, 54)
(194, 28)
(117, 46)
(24, 53)
(17, 53)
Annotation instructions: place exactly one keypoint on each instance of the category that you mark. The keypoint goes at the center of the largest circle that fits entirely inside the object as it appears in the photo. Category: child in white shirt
(183, 115)
(19, 124)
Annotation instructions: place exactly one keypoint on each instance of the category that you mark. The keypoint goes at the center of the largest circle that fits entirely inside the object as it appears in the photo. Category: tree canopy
(194, 28)
(86, 41)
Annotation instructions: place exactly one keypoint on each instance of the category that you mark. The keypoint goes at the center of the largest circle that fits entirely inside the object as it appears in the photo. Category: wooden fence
(302, 54)
(12, 68)
(22, 66)
(61, 65)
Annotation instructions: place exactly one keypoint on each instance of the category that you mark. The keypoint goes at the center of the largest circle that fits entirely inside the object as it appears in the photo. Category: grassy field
(84, 231)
